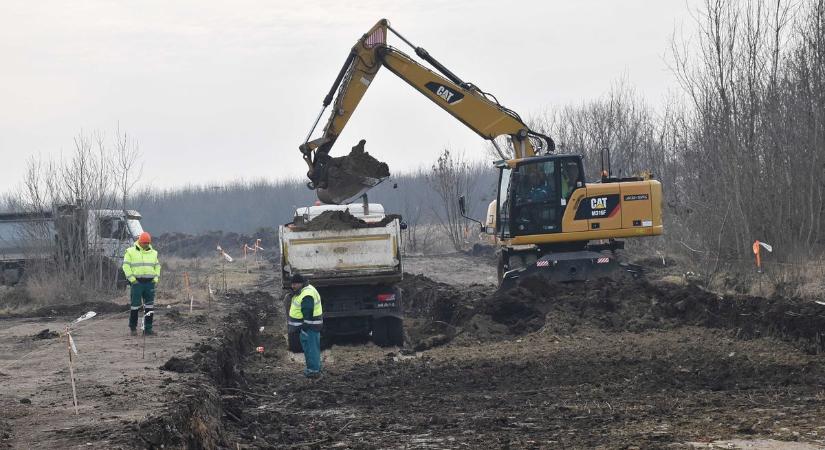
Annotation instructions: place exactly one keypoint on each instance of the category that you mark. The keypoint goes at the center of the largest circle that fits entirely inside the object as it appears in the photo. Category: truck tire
(388, 332)
(294, 343)
(395, 331)
(379, 332)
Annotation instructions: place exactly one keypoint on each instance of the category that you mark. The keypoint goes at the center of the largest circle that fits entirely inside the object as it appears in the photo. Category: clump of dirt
(180, 365)
(334, 221)
(342, 220)
(346, 171)
(46, 334)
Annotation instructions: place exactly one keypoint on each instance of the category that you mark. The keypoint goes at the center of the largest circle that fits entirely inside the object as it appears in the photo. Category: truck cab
(67, 232)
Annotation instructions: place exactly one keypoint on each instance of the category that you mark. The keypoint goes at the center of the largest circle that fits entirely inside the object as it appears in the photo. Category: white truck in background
(355, 271)
(68, 231)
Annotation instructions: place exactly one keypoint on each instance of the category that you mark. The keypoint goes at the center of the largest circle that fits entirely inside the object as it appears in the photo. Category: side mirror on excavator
(462, 208)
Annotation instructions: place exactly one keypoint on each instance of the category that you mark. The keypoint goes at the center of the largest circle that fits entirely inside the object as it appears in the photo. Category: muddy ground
(654, 363)
(640, 364)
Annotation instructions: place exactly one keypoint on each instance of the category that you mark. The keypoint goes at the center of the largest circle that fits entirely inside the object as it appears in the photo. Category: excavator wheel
(572, 266)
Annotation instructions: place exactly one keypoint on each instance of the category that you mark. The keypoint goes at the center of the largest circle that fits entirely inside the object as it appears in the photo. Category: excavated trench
(193, 419)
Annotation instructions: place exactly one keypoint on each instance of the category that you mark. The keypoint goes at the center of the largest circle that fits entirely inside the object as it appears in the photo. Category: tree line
(739, 148)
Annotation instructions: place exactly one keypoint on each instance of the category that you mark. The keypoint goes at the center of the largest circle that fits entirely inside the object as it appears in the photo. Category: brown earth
(357, 164)
(636, 364)
(342, 220)
(204, 245)
(345, 175)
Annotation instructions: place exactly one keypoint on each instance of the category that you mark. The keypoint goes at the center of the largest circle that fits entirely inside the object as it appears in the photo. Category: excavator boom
(478, 110)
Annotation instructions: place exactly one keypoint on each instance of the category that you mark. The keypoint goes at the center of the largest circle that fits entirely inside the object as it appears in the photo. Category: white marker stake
(70, 345)
(143, 328)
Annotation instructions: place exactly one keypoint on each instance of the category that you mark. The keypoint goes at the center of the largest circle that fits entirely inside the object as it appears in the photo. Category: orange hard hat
(145, 238)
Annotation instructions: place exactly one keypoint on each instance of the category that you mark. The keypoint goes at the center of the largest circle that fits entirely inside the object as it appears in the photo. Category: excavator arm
(476, 109)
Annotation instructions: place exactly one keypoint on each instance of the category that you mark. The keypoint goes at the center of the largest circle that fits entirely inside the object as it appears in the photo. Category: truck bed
(362, 255)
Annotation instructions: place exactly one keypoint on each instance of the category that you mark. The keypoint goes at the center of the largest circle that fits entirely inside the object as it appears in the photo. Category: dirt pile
(346, 174)
(203, 245)
(45, 334)
(358, 163)
(342, 220)
(481, 313)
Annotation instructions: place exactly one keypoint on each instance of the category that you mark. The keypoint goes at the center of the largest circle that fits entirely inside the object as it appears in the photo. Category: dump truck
(355, 269)
(66, 232)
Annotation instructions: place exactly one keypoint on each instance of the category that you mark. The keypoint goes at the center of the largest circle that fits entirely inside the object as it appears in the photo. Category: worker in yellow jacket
(142, 270)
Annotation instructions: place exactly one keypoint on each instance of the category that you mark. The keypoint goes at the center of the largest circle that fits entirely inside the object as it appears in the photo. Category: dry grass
(45, 288)
(205, 273)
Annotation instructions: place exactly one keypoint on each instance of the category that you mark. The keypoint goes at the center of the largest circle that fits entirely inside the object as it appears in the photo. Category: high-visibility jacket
(296, 316)
(141, 264)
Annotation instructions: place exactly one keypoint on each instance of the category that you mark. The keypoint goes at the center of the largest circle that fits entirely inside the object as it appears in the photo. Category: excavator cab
(534, 192)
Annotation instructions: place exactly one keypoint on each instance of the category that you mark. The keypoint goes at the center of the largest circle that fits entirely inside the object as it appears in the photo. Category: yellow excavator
(546, 219)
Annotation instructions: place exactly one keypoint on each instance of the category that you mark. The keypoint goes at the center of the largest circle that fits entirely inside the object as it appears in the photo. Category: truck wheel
(294, 343)
(395, 331)
(379, 332)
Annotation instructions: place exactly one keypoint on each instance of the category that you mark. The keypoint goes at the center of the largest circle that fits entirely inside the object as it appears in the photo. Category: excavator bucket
(573, 266)
(346, 178)
(345, 188)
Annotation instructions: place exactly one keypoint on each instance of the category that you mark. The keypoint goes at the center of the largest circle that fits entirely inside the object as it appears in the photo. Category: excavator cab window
(535, 199)
(503, 213)
(534, 195)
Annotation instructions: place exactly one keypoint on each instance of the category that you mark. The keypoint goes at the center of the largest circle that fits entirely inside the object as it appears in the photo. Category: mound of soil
(46, 334)
(188, 246)
(629, 305)
(342, 220)
(344, 172)
(76, 309)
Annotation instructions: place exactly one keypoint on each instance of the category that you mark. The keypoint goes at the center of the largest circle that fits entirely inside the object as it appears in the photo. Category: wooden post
(188, 290)
(71, 369)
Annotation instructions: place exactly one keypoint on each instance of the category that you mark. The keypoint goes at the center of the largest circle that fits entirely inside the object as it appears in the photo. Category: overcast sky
(216, 91)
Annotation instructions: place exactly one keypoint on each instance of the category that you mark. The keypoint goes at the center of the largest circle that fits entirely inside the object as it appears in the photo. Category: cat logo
(444, 93)
(448, 95)
(598, 203)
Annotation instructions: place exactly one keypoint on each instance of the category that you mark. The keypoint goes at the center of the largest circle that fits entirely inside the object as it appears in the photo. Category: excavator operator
(569, 180)
(533, 209)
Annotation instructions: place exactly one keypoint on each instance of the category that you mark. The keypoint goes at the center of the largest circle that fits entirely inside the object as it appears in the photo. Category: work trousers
(142, 291)
(311, 343)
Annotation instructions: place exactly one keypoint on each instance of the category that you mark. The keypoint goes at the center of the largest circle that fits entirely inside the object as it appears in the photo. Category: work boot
(148, 332)
(132, 332)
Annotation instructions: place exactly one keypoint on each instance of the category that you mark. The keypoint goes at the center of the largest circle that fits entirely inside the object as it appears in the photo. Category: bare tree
(451, 177)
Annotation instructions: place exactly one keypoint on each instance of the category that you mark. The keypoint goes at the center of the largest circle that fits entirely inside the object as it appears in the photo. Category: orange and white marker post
(757, 246)
(756, 255)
